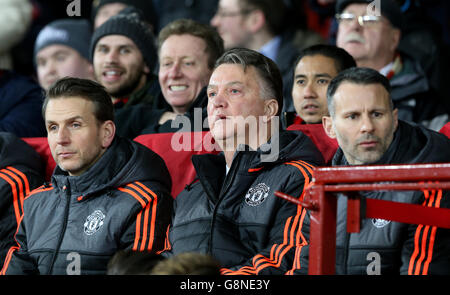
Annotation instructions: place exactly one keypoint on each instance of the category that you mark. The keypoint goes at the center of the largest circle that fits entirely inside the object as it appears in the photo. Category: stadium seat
(446, 130)
(326, 145)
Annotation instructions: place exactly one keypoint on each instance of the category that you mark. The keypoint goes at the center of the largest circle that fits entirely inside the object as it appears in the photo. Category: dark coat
(415, 98)
(393, 242)
(21, 102)
(21, 171)
(236, 217)
(138, 120)
(77, 223)
(285, 60)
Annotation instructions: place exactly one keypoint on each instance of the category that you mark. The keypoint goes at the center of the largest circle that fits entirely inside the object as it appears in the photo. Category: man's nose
(309, 91)
(367, 125)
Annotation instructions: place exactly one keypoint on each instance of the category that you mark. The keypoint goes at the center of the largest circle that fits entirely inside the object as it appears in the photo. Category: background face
(119, 65)
(74, 134)
(364, 124)
(233, 96)
(183, 70)
(309, 92)
(231, 24)
(106, 11)
(366, 42)
(57, 61)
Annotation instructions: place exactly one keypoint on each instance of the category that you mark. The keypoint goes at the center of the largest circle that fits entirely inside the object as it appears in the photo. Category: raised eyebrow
(233, 83)
(322, 75)
(127, 46)
(71, 119)
(211, 87)
(351, 112)
(379, 110)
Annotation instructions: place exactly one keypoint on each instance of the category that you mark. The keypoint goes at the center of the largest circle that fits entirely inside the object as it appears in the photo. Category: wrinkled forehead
(352, 96)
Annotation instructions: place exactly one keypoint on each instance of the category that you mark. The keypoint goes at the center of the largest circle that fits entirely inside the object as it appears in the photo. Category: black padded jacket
(236, 217)
(21, 170)
(388, 247)
(75, 224)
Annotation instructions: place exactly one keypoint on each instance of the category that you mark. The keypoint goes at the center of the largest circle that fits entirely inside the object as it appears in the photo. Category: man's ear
(395, 118)
(256, 20)
(327, 124)
(146, 70)
(271, 107)
(108, 131)
(396, 36)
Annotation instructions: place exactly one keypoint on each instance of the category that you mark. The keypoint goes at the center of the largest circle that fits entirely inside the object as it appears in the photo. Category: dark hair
(214, 43)
(129, 262)
(342, 59)
(86, 89)
(272, 83)
(274, 11)
(188, 263)
(363, 76)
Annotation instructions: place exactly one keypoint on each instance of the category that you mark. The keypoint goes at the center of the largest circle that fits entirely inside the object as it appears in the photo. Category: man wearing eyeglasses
(370, 30)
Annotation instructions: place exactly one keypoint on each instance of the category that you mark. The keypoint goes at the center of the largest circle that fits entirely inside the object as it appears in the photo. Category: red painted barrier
(322, 203)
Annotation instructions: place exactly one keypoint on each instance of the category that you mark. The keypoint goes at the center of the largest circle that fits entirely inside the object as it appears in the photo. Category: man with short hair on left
(106, 193)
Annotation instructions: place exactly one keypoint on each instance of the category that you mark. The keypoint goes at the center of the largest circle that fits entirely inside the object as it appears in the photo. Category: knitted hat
(146, 6)
(74, 33)
(389, 9)
(131, 26)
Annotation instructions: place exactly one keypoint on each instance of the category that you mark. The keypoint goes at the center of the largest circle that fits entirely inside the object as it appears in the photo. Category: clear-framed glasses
(363, 20)
(222, 14)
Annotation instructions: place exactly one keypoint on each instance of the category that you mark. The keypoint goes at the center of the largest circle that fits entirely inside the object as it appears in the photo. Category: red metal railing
(321, 201)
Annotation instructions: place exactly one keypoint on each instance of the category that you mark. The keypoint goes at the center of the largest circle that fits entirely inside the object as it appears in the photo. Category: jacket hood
(411, 144)
(291, 145)
(15, 152)
(125, 161)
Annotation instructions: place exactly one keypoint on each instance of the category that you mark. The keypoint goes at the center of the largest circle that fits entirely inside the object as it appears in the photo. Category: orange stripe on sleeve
(154, 205)
(423, 235)
(292, 236)
(23, 176)
(432, 237)
(138, 231)
(134, 195)
(147, 223)
(22, 189)
(11, 250)
(16, 204)
(145, 228)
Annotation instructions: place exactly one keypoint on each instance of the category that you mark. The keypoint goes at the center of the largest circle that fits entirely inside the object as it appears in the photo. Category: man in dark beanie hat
(124, 56)
(62, 49)
(370, 30)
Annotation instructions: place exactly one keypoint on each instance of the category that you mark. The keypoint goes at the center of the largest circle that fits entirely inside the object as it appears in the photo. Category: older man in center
(232, 213)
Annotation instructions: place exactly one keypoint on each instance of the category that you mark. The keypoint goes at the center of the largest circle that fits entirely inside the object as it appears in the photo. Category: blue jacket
(21, 102)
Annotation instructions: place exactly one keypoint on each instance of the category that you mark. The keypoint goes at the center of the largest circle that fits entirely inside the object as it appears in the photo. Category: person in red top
(314, 69)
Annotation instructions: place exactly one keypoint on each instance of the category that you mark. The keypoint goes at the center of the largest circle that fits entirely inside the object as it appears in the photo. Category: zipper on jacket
(346, 250)
(63, 229)
(227, 182)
